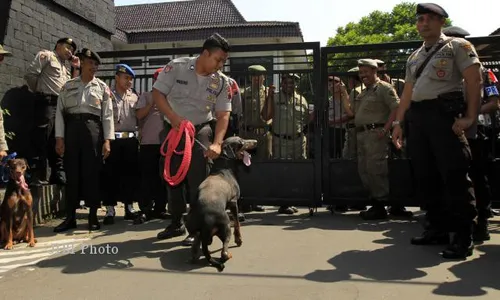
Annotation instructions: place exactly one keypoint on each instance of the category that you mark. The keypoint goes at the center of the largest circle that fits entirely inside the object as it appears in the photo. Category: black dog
(220, 191)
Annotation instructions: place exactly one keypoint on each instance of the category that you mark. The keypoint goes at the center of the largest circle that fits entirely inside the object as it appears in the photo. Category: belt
(369, 127)
(124, 134)
(288, 137)
(51, 99)
(81, 117)
(196, 127)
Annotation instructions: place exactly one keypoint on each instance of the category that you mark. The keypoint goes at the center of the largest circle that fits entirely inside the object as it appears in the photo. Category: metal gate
(341, 183)
(279, 179)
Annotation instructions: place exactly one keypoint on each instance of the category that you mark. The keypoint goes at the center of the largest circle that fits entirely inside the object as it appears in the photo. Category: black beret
(431, 8)
(455, 31)
(67, 41)
(89, 54)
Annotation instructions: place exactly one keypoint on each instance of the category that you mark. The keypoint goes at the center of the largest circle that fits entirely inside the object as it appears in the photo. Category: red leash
(172, 140)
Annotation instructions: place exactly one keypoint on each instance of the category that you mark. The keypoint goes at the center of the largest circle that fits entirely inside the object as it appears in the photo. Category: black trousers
(83, 160)
(121, 177)
(436, 150)
(187, 191)
(480, 149)
(43, 140)
(337, 140)
(152, 186)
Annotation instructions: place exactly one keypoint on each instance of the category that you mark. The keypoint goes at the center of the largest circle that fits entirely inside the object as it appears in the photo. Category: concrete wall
(34, 25)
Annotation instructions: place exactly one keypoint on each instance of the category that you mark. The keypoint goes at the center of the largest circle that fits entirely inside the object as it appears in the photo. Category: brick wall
(34, 25)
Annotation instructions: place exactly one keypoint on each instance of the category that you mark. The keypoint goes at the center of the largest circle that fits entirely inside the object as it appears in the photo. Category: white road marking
(22, 256)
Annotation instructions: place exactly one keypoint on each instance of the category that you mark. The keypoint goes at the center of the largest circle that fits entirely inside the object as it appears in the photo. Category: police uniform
(350, 148)
(3, 142)
(291, 114)
(252, 125)
(376, 103)
(233, 128)
(432, 143)
(84, 119)
(121, 167)
(479, 138)
(45, 76)
(195, 98)
(153, 199)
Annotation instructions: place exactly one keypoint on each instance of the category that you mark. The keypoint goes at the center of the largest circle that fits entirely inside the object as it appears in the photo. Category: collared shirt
(124, 111)
(443, 73)
(91, 98)
(47, 73)
(151, 126)
(3, 141)
(376, 104)
(291, 114)
(253, 104)
(192, 96)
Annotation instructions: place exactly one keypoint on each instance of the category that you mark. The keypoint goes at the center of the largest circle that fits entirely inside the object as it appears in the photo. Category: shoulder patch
(167, 68)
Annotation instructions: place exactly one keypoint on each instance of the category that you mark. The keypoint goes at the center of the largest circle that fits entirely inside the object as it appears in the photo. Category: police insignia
(443, 62)
(440, 73)
(467, 46)
(167, 69)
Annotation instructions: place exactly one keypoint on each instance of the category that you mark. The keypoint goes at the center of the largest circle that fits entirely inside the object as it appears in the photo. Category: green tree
(378, 27)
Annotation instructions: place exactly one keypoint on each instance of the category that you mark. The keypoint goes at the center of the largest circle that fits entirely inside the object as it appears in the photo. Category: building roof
(177, 14)
(496, 32)
(192, 20)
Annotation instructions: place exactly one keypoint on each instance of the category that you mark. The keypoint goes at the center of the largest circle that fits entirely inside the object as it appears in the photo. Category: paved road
(282, 257)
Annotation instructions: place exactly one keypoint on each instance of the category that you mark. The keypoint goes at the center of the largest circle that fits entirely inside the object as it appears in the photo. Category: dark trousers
(152, 186)
(121, 172)
(187, 191)
(43, 141)
(82, 160)
(435, 149)
(478, 173)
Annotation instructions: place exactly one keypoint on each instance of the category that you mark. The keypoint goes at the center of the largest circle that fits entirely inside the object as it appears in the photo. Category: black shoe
(286, 210)
(460, 248)
(258, 208)
(67, 224)
(481, 232)
(171, 231)
(142, 218)
(400, 211)
(431, 237)
(130, 215)
(188, 241)
(241, 217)
(374, 213)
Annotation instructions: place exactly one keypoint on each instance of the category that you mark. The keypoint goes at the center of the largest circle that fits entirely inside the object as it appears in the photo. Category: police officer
(349, 151)
(437, 121)
(290, 114)
(479, 137)
(83, 129)
(235, 118)
(253, 125)
(121, 167)
(153, 200)
(382, 67)
(193, 89)
(45, 76)
(373, 119)
(3, 143)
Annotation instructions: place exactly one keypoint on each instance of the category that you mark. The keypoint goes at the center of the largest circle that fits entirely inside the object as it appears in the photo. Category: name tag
(181, 82)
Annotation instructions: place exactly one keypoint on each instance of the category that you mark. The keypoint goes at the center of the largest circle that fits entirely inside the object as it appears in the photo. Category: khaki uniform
(47, 73)
(291, 114)
(3, 141)
(350, 146)
(375, 106)
(253, 126)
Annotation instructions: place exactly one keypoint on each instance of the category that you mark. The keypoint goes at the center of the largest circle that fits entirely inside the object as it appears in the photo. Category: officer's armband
(491, 91)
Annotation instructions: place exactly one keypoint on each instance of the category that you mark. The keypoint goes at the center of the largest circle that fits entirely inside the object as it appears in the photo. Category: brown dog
(16, 211)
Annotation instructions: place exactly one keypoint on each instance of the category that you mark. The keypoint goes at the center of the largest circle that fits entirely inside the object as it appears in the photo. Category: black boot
(461, 246)
(376, 212)
(172, 230)
(67, 224)
(93, 221)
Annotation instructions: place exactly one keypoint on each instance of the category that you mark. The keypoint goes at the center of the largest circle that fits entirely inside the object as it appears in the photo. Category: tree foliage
(378, 27)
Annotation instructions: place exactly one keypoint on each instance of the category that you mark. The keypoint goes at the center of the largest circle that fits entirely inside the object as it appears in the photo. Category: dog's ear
(26, 163)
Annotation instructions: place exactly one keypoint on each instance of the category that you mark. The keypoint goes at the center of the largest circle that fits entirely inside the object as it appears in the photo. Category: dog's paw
(225, 256)
(9, 246)
(238, 241)
(32, 243)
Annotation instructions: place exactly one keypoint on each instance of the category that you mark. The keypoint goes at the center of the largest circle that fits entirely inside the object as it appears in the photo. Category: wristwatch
(395, 122)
